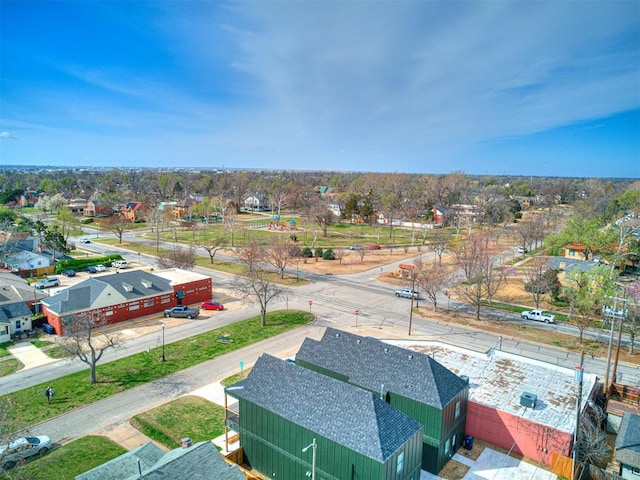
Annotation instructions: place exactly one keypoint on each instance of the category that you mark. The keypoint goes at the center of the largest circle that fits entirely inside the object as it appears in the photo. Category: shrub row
(79, 264)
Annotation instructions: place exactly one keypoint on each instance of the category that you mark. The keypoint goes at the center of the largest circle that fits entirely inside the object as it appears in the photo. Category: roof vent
(146, 283)
(528, 399)
(386, 350)
(358, 341)
(465, 378)
(127, 286)
(337, 335)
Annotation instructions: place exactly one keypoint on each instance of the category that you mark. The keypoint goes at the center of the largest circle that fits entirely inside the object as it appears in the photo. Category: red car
(374, 247)
(212, 306)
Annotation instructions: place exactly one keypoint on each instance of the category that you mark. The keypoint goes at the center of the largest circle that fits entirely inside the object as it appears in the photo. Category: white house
(27, 261)
(256, 202)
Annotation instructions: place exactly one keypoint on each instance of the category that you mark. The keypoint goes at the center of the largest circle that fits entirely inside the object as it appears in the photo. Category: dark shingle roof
(13, 310)
(335, 410)
(375, 365)
(198, 462)
(125, 465)
(125, 286)
(628, 441)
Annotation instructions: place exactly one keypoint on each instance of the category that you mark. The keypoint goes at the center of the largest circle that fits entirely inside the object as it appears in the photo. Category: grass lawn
(190, 416)
(75, 390)
(9, 366)
(66, 462)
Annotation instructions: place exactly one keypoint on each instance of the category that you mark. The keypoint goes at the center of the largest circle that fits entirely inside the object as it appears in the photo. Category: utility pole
(579, 379)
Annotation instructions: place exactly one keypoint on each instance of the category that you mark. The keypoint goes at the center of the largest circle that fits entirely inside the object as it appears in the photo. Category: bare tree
(116, 224)
(362, 252)
(86, 339)
(252, 255)
(257, 286)
(211, 247)
(592, 447)
(439, 243)
(339, 253)
(633, 313)
(432, 278)
(178, 257)
(323, 217)
(535, 280)
(475, 258)
(280, 254)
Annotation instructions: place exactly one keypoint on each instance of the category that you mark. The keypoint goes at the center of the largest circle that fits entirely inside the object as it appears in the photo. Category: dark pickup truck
(182, 312)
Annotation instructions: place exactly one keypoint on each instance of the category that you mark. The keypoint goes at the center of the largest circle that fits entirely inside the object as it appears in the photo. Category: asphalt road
(334, 299)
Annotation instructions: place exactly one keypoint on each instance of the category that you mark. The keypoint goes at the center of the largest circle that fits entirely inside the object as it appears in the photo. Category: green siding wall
(273, 445)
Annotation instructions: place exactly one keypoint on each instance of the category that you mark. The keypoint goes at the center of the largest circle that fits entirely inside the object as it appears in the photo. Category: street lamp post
(297, 269)
(163, 327)
(312, 445)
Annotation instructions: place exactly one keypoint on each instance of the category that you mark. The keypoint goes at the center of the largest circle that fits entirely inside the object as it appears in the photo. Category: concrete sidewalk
(29, 355)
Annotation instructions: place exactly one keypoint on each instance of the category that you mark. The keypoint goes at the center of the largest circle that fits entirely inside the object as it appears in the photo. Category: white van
(119, 264)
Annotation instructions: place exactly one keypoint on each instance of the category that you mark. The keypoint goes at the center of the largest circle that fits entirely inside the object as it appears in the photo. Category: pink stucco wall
(512, 432)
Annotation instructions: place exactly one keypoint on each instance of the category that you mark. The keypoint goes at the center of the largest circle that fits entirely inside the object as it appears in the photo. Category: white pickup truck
(539, 315)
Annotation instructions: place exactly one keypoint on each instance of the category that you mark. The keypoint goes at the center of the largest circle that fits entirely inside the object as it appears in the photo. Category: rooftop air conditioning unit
(528, 399)
(465, 378)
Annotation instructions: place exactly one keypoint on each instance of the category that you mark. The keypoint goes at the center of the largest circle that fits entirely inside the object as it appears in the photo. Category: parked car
(406, 293)
(85, 240)
(374, 247)
(539, 316)
(69, 273)
(101, 268)
(212, 306)
(182, 311)
(23, 448)
(91, 269)
(356, 247)
(47, 283)
(119, 264)
(522, 250)
(614, 312)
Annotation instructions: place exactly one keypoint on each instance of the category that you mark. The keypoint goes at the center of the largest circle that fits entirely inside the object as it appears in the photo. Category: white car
(101, 268)
(23, 448)
(406, 293)
(119, 264)
(85, 240)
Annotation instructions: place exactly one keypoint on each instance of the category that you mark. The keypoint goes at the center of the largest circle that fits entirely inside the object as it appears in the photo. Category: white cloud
(6, 134)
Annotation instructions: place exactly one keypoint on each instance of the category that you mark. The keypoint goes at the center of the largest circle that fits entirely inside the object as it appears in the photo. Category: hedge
(79, 264)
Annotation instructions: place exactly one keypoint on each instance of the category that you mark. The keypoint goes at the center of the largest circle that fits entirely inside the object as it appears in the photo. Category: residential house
(570, 267)
(77, 205)
(576, 250)
(182, 209)
(127, 295)
(414, 383)
(256, 202)
(150, 462)
(98, 208)
(627, 446)
(29, 198)
(15, 319)
(288, 416)
(134, 211)
(335, 208)
(26, 263)
(16, 289)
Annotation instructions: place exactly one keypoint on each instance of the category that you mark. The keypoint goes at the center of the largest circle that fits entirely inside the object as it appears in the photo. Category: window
(635, 470)
(108, 312)
(400, 463)
(457, 410)
(134, 306)
(148, 303)
(447, 446)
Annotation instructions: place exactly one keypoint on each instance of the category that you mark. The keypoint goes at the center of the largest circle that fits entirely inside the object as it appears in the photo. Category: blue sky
(498, 87)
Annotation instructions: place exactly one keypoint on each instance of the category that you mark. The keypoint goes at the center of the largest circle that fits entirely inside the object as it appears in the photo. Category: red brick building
(127, 295)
